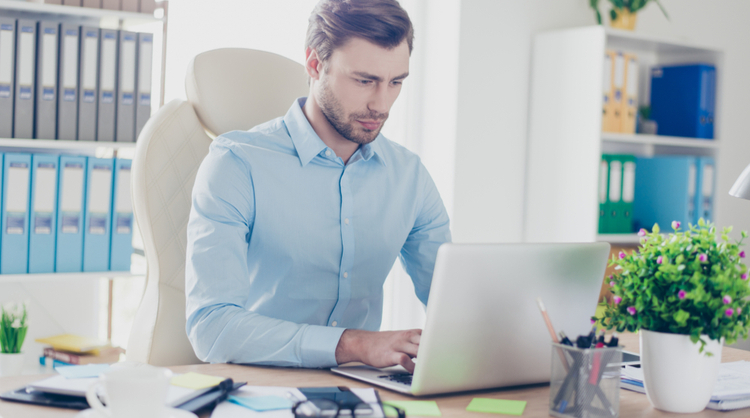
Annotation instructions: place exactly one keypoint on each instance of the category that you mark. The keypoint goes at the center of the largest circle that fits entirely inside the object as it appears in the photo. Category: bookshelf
(155, 23)
(565, 136)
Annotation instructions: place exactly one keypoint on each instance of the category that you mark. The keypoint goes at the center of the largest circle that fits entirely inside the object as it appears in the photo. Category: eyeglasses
(324, 408)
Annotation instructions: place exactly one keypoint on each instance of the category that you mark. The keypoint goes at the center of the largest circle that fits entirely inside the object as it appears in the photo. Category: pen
(551, 330)
(564, 339)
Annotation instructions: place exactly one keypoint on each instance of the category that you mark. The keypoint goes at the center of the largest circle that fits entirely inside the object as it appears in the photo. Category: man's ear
(313, 65)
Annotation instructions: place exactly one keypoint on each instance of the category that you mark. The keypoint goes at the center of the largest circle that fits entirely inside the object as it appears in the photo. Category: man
(296, 223)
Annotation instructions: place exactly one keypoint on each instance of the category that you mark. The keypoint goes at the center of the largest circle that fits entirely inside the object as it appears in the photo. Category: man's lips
(371, 125)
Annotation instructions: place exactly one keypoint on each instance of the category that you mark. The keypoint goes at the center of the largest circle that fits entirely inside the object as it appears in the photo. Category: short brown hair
(333, 22)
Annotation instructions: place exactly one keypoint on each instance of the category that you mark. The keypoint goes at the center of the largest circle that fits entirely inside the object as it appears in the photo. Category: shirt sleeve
(431, 230)
(217, 281)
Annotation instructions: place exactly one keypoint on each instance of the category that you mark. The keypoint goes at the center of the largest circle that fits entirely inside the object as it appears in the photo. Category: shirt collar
(308, 144)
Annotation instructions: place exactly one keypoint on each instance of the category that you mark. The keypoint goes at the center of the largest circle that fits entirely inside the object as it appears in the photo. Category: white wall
(493, 88)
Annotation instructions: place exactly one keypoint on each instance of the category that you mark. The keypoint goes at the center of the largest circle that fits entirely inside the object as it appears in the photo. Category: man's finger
(409, 348)
(406, 362)
(415, 337)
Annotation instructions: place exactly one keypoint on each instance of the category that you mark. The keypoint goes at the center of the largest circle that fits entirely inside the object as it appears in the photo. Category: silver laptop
(484, 328)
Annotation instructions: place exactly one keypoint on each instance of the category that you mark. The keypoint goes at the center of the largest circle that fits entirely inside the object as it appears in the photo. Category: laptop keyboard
(404, 378)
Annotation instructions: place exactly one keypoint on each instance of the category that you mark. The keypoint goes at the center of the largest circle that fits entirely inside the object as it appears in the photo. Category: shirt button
(346, 275)
(346, 221)
(334, 323)
(328, 153)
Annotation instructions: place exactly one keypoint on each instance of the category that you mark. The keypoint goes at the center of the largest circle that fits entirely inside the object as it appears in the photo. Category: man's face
(358, 86)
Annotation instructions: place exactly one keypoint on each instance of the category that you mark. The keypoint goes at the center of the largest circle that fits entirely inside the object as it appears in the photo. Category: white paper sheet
(230, 410)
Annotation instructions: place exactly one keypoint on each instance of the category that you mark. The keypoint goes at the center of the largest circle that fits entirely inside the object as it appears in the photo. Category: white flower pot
(11, 364)
(677, 377)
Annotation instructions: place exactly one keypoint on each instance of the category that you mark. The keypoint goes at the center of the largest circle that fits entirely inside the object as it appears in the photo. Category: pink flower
(622, 255)
(611, 283)
(617, 300)
(659, 259)
(631, 310)
(729, 312)
(744, 276)
(681, 294)
(742, 254)
(739, 311)
(676, 224)
(642, 233)
(727, 300)
(702, 258)
(593, 321)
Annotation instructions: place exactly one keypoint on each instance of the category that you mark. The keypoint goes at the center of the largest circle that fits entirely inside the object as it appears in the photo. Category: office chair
(227, 89)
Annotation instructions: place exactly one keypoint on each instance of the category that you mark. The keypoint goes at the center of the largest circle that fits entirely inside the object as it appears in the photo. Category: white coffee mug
(135, 392)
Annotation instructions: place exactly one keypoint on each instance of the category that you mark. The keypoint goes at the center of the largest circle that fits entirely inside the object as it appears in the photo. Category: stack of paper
(732, 390)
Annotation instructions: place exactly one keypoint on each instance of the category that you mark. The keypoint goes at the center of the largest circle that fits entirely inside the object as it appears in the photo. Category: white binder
(23, 118)
(7, 72)
(143, 96)
(67, 126)
(89, 84)
(45, 125)
(105, 129)
(126, 88)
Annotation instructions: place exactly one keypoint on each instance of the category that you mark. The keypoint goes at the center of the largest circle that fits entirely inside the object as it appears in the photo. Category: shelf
(673, 141)
(53, 10)
(62, 144)
(53, 277)
(636, 41)
(619, 238)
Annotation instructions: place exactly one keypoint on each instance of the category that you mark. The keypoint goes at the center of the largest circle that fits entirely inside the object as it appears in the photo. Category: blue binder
(44, 173)
(14, 246)
(71, 198)
(706, 185)
(683, 100)
(122, 218)
(98, 214)
(665, 191)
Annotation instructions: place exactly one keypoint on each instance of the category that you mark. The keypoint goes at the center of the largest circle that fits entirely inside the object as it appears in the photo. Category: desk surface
(631, 404)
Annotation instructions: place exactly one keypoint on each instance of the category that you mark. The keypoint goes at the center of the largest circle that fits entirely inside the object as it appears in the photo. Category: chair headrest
(238, 88)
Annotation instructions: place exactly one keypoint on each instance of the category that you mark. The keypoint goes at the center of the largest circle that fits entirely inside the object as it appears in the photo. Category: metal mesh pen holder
(585, 382)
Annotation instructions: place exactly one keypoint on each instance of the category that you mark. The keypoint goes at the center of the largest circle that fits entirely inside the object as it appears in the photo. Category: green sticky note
(496, 406)
(262, 403)
(196, 380)
(422, 408)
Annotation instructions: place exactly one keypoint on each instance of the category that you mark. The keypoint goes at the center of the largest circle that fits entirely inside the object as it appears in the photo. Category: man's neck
(327, 133)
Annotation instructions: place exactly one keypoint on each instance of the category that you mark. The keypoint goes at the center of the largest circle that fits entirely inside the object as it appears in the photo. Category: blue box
(122, 218)
(71, 198)
(98, 214)
(665, 191)
(43, 225)
(683, 99)
(14, 247)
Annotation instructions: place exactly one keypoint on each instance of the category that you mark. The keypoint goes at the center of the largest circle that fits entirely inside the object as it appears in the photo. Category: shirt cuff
(319, 346)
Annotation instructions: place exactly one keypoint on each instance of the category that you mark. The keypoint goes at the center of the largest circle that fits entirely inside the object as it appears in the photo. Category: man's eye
(364, 82)
(397, 83)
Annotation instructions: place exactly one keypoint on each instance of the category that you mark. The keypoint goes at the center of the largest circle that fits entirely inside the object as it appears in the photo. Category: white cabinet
(565, 136)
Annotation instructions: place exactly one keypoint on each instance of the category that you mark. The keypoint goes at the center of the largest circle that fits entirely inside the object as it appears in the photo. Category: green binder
(603, 194)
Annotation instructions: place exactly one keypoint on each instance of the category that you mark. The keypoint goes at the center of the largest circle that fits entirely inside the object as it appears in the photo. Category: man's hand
(379, 349)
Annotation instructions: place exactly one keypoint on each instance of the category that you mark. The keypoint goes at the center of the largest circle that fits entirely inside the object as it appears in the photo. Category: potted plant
(623, 12)
(13, 328)
(686, 294)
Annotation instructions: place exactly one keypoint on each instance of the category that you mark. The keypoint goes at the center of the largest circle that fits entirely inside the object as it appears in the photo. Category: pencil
(546, 320)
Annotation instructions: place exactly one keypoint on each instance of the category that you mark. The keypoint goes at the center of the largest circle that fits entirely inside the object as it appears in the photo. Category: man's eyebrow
(376, 78)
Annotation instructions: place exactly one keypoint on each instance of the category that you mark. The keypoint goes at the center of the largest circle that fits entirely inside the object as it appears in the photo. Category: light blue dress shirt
(288, 246)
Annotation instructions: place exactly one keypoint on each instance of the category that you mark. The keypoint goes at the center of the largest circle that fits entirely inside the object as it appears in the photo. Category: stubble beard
(348, 127)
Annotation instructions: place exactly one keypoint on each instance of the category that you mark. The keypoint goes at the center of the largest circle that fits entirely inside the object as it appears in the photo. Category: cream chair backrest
(227, 89)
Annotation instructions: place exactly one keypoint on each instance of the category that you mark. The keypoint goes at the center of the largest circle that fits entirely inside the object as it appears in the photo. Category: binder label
(127, 98)
(6, 26)
(7, 41)
(92, 34)
(48, 93)
(88, 96)
(70, 223)
(27, 29)
(124, 223)
(43, 223)
(16, 223)
(71, 201)
(108, 97)
(24, 93)
(49, 31)
(145, 99)
(69, 95)
(5, 91)
(71, 32)
(97, 225)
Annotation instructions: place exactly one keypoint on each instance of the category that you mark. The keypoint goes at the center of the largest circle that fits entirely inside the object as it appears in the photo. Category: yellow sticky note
(195, 380)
